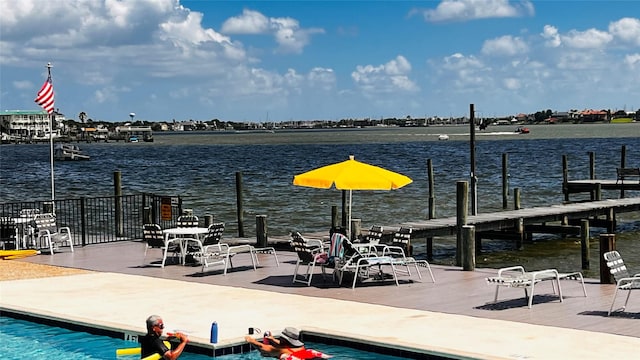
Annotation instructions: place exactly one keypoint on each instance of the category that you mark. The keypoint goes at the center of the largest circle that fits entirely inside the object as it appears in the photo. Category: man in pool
(153, 344)
(287, 347)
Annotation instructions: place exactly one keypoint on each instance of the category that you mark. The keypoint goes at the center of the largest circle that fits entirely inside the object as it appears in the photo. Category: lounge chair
(155, 239)
(310, 253)
(361, 263)
(211, 251)
(517, 277)
(400, 259)
(624, 282)
(402, 239)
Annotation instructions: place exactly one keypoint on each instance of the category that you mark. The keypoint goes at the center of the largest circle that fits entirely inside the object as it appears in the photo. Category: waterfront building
(29, 124)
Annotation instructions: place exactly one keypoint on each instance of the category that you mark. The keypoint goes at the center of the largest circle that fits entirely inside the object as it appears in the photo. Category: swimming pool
(29, 340)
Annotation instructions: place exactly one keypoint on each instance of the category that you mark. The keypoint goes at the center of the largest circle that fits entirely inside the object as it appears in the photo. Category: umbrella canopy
(352, 175)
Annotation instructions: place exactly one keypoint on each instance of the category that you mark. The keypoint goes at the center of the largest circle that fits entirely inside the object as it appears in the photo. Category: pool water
(28, 340)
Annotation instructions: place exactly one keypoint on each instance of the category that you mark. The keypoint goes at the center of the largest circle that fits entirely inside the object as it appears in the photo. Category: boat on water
(67, 152)
(443, 137)
(522, 130)
(134, 139)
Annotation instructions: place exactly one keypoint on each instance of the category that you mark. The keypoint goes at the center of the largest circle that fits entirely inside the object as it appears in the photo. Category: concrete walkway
(122, 302)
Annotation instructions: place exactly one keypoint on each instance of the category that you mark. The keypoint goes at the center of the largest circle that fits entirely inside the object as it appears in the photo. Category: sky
(260, 61)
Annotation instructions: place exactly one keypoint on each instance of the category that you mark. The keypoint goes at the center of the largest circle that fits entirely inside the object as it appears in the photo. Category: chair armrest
(390, 250)
(511, 269)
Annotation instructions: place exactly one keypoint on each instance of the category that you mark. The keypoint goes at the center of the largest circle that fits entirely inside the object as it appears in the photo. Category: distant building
(28, 123)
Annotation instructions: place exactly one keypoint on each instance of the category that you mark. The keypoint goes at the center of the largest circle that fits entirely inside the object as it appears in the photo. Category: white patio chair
(310, 253)
(620, 273)
(50, 234)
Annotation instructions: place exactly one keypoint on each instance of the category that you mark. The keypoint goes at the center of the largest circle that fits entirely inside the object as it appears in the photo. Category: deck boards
(455, 291)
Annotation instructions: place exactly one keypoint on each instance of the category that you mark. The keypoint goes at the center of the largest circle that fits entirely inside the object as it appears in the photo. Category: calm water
(201, 168)
(28, 340)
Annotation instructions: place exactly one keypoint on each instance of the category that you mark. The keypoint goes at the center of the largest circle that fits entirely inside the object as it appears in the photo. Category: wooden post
(356, 229)
(505, 181)
(623, 163)
(468, 247)
(334, 216)
(592, 165)
(344, 209)
(117, 193)
(520, 230)
(429, 248)
(462, 209)
(611, 221)
(432, 193)
(584, 243)
(598, 192)
(607, 243)
(565, 177)
(208, 220)
(261, 231)
(240, 210)
(472, 158)
(516, 199)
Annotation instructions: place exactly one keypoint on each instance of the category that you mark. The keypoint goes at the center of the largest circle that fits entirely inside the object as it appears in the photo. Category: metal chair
(620, 273)
(153, 236)
(310, 253)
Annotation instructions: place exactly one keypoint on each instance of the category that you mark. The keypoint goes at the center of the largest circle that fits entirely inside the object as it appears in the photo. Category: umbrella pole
(349, 225)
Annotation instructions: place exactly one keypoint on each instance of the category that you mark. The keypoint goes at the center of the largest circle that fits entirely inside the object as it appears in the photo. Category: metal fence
(97, 220)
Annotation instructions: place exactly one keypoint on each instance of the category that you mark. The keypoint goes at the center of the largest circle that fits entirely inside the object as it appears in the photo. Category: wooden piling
(356, 229)
(592, 165)
(584, 243)
(468, 248)
(432, 193)
(462, 209)
(565, 177)
(516, 199)
(261, 231)
(505, 181)
(334, 216)
(239, 201)
(607, 243)
(208, 220)
(623, 163)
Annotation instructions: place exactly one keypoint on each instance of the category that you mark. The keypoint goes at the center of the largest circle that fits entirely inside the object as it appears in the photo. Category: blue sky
(307, 60)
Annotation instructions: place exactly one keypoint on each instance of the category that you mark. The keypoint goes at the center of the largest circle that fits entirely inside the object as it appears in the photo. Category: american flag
(45, 96)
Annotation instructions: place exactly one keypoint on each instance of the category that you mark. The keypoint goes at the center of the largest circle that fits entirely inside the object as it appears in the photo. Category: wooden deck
(455, 291)
(504, 220)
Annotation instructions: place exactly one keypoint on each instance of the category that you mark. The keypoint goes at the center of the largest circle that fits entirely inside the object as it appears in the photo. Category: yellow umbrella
(352, 175)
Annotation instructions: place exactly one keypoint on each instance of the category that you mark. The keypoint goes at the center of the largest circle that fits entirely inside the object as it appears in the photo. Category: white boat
(443, 137)
(69, 153)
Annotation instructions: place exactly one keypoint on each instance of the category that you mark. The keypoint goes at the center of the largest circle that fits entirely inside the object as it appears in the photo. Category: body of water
(201, 168)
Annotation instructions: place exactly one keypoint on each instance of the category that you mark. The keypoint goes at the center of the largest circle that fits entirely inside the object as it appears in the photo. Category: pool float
(16, 254)
(305, 354)
(137, 350)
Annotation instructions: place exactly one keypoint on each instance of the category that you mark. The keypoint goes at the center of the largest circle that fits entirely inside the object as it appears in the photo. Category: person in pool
(287, 347)
(151, 343)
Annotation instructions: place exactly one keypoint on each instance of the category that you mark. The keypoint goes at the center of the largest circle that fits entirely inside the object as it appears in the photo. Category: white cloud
(589, 39)
(285, 30)
(464, 10)
(633, 61)
(25, 84)
(386, 78)
(626, 29)
(550, 33)
(250, 22)
(504, 46)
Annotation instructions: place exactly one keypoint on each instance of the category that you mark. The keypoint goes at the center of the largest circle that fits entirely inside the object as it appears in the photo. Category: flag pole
(51, 115)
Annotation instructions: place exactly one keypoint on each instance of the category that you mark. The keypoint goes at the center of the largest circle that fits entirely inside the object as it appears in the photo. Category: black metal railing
(96, 220)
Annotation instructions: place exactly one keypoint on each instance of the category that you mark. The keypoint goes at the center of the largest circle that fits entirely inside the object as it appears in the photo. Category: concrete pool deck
(122, 302)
